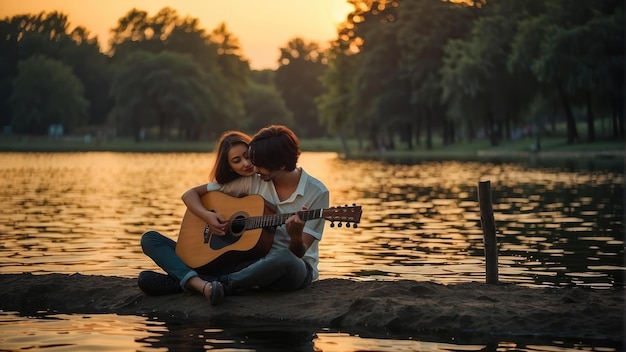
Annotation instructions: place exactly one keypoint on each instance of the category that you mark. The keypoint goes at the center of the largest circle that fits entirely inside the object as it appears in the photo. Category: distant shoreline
(521, 149)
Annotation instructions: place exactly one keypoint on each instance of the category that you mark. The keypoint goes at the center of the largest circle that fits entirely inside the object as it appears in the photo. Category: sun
(337, 10)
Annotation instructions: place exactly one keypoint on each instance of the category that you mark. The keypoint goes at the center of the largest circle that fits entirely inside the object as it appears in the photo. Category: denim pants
(162, 250)
(279, 270)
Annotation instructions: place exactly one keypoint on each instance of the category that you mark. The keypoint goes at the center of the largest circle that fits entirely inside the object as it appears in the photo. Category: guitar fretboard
(255, 222)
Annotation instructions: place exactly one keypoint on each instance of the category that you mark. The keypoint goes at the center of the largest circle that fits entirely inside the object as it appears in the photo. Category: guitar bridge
(207, 232)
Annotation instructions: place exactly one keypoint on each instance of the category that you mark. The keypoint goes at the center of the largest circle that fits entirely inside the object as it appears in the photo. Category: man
(291, 263)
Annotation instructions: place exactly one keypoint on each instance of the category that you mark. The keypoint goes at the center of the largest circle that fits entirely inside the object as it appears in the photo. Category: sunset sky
(262, 27)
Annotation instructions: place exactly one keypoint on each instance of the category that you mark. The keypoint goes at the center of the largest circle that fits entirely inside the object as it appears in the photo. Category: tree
(230, 57)
(264, 106)
(48, 35)
(219, 59)
(297, 79)
(46, 92)
(478, 86)
(335, 105)
(588, 45)
(424, 29)
(577, 50)
(166, 90)
(231, 65)
(380, 97)
(82, 52)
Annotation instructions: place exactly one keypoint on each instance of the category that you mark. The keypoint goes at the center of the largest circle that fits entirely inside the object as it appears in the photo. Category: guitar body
(213, 254)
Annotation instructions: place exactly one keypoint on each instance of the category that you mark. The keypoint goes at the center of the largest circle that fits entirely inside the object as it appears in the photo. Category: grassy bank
(522, 147)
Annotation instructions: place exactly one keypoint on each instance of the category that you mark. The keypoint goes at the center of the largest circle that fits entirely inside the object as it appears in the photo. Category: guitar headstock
(347, 214)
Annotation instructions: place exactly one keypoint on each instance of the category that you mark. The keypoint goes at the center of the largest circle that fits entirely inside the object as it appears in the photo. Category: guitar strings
(267, 219)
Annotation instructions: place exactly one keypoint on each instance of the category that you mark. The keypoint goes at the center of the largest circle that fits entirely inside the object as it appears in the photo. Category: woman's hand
(217, 223)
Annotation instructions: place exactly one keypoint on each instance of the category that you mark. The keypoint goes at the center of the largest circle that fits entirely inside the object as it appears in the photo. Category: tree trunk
(591, 129)
(418, 131)
(429, 132)
(491, 130)
(409, 136)
(452, 132)
(507, 127)
(618, 120)
(471, 133)
(572, 131)
(444, 128)
(390, 144)
(344, 146)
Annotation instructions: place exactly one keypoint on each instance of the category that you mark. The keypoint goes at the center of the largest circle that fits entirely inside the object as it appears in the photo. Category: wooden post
(488, 224)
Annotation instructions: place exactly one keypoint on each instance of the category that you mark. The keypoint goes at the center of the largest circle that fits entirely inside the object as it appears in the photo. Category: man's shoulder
(314, 182)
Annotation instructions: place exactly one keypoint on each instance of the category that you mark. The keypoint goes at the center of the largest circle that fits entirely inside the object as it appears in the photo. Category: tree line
(398, 70)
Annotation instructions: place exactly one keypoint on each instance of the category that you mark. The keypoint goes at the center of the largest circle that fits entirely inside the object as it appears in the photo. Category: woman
(291, 263)
(232, 163)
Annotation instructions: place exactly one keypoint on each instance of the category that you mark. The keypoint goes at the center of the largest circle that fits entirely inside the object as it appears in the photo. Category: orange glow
(262, 27)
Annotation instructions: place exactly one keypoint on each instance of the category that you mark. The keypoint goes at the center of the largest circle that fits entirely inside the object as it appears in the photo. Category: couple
(265, 164)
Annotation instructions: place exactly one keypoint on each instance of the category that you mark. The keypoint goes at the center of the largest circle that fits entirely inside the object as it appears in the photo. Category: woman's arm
(191, 198)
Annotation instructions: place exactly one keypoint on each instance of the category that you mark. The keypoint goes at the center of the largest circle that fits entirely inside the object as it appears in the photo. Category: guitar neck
(256, 222)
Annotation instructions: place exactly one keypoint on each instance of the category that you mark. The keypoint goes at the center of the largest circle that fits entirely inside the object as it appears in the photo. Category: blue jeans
(162, 250)
(279, 270)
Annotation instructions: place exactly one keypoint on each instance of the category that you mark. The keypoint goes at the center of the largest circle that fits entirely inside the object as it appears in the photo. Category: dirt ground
(393, 307)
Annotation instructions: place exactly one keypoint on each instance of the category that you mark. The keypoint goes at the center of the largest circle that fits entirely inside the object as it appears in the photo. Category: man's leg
(279, 270)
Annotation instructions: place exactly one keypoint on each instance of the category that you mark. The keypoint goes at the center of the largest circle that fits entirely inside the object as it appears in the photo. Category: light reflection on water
(111, 332)
(558, 226)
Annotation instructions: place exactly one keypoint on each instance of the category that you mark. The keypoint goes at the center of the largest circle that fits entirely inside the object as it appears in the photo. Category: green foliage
(335, 104)
(264, 106)
(399, 70)
(49, 35)
(297, 79)
(215, 95)
(46, 92)
(166, 90)
(488, 68)
(578, 51)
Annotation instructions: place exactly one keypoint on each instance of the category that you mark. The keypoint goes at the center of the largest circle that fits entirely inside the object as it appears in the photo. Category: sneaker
(157, 284)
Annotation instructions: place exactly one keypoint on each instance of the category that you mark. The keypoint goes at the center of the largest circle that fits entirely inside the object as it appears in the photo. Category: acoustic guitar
(249, 232)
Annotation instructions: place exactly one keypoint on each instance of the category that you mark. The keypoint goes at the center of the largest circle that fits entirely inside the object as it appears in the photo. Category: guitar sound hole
(237, 225)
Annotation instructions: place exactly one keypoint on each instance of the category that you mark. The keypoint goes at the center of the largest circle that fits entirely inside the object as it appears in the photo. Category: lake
(559, 223)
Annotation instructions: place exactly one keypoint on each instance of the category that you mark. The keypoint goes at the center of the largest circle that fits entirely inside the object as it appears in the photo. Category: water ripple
(85, 212)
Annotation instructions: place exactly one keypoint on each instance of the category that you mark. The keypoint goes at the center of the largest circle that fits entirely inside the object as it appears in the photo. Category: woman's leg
(162, 250)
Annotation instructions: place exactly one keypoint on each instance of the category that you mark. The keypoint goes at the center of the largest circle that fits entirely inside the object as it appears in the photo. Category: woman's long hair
(222, 173)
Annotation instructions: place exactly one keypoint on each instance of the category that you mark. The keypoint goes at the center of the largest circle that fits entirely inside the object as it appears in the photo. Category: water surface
(85, 212)
(559, 224)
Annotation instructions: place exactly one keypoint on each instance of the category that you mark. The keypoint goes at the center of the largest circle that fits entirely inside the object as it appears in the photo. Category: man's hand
(295, 226)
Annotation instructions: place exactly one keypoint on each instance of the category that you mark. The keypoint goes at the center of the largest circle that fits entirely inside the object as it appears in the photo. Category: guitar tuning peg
(339, 225)
(348, 224)
(332, 224)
